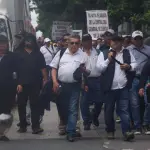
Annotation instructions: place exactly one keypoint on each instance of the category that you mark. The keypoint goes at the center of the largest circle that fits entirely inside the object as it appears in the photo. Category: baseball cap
(137, 33)
(47, 40)
(109, 32)
(94, 39)
(86, 37)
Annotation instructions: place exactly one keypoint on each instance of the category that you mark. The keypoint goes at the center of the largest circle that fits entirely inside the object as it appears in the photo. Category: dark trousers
(31, 93)
(121, 99)
(7, 97)
(93, 94)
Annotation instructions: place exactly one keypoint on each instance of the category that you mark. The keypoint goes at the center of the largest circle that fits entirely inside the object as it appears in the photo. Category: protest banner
(97, 22)
(77, 32)
(60, 28)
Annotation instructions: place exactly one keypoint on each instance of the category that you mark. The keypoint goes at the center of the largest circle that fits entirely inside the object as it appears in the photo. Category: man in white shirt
(92, 89)
(47, 51)
(117, 80)
(63, 79)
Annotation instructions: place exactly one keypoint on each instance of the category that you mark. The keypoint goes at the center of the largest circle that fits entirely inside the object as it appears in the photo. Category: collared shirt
(30, 66)
(91, 63)
(68, 64)
(140, 58)
(48, 54)
(120, 79)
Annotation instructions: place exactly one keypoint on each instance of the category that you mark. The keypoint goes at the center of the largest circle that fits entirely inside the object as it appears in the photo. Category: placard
(97, 22)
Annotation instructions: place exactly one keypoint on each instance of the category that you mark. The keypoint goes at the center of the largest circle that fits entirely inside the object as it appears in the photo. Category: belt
(93, 78)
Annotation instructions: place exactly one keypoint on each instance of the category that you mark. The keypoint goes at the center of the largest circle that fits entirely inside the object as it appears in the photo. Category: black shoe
(95, 121)
(70, 138)
(78, 135)
(4, 138)
(146, 129)
(129, 136)
(22, 130)
(37, 130)
(28, 124)
(110, 135)
(87, 127)
(62, 132)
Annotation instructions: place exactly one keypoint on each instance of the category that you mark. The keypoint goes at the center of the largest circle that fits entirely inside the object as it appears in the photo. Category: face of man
(116, 45)
(47, 44)
(65, 41)
(94, 43)
(74, 44)
(87, 44)
(3, 48)
(138, 41)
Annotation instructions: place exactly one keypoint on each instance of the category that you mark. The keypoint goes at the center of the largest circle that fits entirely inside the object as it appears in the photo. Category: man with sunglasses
(63, 80)
(32, 75)
(141, 53)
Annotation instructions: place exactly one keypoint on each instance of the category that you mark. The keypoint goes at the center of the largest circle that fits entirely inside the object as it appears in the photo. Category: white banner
(60, 28)
(77, 32)
(97, 22)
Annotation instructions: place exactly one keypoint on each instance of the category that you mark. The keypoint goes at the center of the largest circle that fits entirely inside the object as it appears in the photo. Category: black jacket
(8, 65)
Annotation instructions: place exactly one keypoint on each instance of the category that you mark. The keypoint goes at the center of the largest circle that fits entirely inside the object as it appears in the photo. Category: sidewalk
(50, 126)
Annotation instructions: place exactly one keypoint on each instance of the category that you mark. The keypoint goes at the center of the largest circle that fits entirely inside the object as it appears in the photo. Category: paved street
(94, 139)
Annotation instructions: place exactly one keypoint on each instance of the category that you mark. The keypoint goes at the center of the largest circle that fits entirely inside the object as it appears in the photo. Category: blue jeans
(135, 103)
(121, 99)
(147, 110)
(94, 93)
(73, 108)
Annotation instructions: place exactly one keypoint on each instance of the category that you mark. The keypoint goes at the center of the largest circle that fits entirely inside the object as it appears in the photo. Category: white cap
(47, 40)
(111, 31)
(94, 39)
(137, 33)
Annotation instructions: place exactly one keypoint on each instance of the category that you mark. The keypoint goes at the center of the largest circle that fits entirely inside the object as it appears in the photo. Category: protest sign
(97, 22)
(60, 28)
(77, 32)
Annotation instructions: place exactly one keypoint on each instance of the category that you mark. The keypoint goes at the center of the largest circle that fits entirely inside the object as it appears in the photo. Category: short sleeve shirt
(30, 67)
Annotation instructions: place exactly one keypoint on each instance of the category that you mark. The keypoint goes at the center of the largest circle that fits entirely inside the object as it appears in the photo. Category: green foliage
(135, 11)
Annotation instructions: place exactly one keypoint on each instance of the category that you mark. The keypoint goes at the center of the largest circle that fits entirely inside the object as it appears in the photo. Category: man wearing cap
(141, 53)
(92, 89)
(47, 51)
(107, 38)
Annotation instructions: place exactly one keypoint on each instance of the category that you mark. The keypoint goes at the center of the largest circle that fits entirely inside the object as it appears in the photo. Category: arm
(101, 63)
(44, 74)
(144, 75)
(54, 65)
(42, 66)
(133, 63)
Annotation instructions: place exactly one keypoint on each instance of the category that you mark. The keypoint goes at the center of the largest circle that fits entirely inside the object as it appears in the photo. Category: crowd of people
(110, 72)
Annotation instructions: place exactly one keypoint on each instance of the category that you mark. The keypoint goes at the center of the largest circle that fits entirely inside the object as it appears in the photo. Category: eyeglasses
(74, 43)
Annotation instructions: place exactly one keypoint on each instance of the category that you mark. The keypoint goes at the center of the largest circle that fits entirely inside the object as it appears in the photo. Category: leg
(109, 111)
(22, 102)
(85, 111)
(73, 110)
(135, 105)
(96, 112)
(123, 109)
(34, 105)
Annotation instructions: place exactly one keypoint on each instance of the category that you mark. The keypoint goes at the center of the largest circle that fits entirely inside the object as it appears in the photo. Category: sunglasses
(74, 43)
